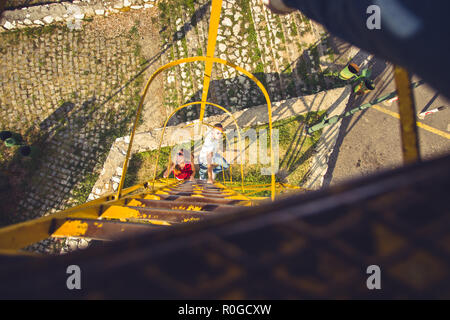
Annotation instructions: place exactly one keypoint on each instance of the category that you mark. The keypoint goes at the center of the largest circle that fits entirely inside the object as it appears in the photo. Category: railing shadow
(383, 78)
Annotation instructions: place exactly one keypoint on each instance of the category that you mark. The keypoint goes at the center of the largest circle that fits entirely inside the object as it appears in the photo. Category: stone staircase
(287, 53)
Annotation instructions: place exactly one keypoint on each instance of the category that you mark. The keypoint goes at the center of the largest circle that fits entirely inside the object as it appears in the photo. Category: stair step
(148, 214)
(212, 190)
(200, 185)
(191, 193)
(106, 230)
(203, 206)
(188, 199)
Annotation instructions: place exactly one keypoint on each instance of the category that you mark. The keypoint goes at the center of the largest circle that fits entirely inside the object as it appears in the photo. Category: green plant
(137, 50)
(294, 30)
(259, 68)
(82, 191)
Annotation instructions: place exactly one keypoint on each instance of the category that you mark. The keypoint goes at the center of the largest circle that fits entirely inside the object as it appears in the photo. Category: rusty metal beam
(150, 214)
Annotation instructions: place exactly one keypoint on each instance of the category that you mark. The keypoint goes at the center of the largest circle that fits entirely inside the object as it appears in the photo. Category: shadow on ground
(383, 77)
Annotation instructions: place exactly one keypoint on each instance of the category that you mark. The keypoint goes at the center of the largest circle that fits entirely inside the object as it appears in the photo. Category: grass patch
(82, 191)
(137, 50)
(259, 68)
(189, 5)
(294, 30)
(252, 38)
(141, 167)
(295, 150)
(36, 32)
(134, 31)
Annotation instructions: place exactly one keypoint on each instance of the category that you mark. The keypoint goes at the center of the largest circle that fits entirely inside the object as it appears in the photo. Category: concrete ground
(370, 141)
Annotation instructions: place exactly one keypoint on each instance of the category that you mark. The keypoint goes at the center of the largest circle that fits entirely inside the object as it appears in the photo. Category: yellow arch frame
(209, 60)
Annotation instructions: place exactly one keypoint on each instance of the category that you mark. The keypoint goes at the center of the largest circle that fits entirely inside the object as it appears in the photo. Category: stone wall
(72, 13)
(290, 55)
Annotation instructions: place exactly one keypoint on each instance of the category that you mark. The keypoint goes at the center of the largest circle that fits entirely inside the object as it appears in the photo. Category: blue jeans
(222, 165)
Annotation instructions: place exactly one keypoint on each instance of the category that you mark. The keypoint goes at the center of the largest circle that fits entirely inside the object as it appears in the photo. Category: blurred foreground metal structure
(314, 245)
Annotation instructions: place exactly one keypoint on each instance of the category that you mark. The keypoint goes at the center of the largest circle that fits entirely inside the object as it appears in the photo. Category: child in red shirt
(182, 169)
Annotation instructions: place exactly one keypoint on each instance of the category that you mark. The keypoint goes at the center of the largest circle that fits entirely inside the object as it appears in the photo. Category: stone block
(48, 19)
(8, 25)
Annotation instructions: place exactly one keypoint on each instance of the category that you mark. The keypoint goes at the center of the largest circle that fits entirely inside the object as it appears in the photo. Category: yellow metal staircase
(143, 207)
(165, 202)
(183, 202)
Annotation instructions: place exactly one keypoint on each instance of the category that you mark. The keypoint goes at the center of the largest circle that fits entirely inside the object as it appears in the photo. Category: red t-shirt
(186, 172)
